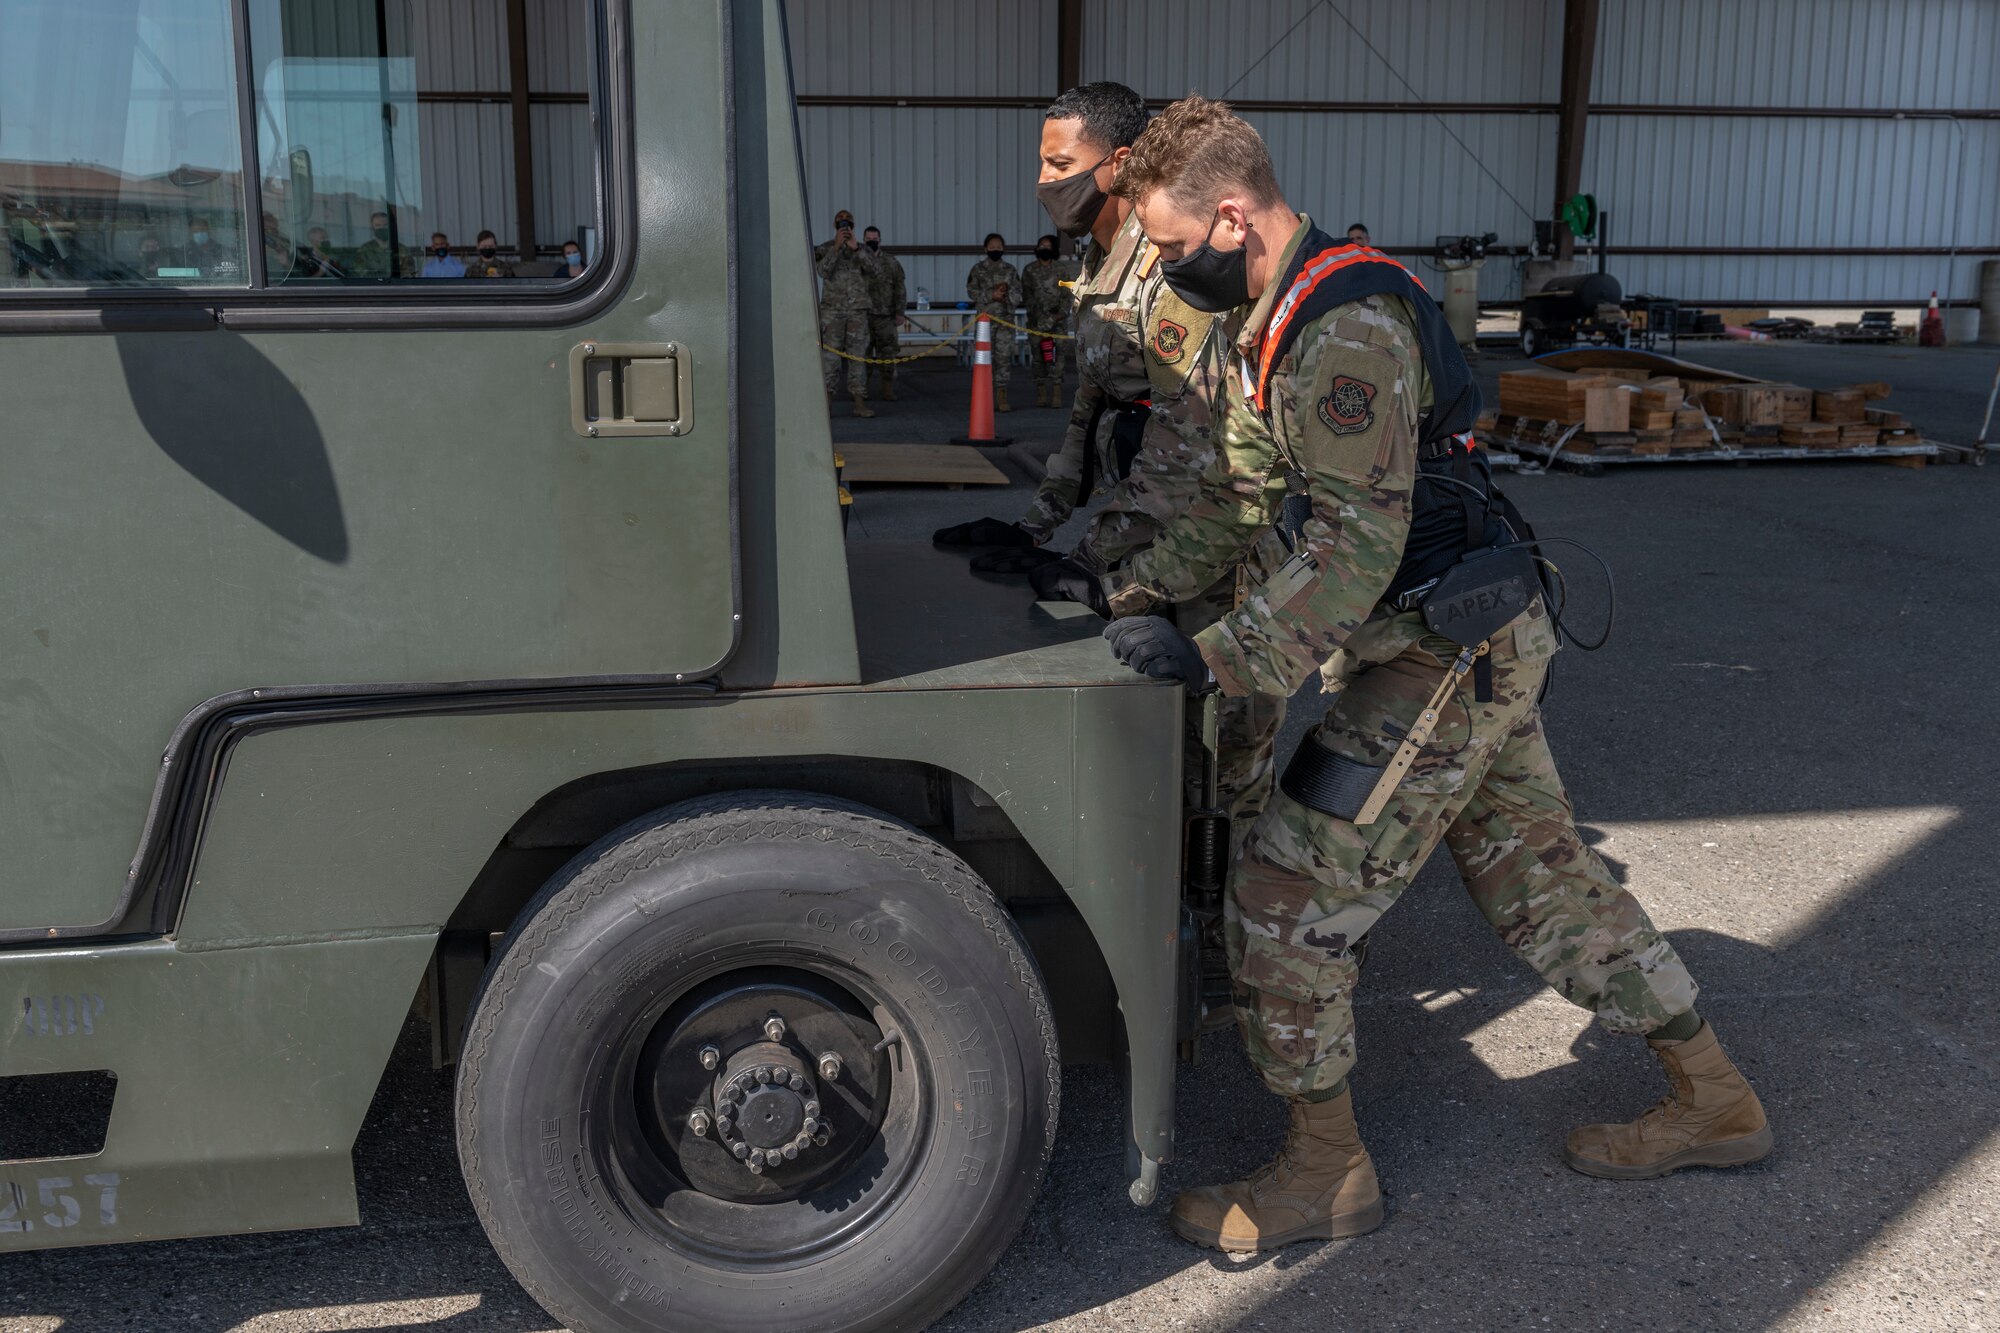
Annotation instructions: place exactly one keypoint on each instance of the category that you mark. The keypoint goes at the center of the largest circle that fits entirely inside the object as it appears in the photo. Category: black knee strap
(1332, 784)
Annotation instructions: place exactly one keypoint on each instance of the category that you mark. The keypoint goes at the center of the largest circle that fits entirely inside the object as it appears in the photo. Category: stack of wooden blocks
(1624, 411)
(1619, 410)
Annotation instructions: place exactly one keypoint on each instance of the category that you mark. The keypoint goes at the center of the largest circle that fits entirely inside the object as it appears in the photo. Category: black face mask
(874, 245)
(381, 233)
(1210, 280)
(995, 254)
(487, 252)
(1045, 253)
(1073, 202)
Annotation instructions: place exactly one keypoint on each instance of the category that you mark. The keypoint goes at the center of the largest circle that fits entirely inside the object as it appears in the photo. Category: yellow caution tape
(946, 348)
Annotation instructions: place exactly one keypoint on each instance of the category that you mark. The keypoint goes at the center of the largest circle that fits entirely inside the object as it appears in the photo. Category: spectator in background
(843, 313)
(207, 254)
(150, 256)
(372, 258)
(318, 261)
(572, 261)
(486, 262)
(441, 264)
(1357, 234)
(994, 288)
(1048, 303)
(886, 299)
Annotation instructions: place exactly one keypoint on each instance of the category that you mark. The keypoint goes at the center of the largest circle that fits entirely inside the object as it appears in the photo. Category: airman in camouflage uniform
(1048, 302)
(1309, 885)
(1343, 400)
(887, 295)
(843, 312)
(984, 289)
(1188, 450)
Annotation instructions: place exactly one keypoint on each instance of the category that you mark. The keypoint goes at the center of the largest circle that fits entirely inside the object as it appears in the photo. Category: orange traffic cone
(1930, 333)
(979, 425)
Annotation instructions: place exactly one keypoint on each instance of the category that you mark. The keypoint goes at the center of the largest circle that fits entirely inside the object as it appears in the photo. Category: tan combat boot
(888, 386)
(1000, 396)
(1322, 1186)
(1711, 1118)
(861, 408)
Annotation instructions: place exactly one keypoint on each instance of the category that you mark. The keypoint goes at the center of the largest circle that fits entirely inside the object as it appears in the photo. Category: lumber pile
(1618, 410)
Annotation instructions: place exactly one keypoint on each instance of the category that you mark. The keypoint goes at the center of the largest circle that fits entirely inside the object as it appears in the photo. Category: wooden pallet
(949, 465)
(1562, 443)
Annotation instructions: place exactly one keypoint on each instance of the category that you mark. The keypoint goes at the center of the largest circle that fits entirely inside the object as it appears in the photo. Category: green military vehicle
(494, 647)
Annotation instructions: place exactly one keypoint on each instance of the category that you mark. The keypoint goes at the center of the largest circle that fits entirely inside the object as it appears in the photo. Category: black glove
(1065, 580)
(983, 532)
(1154, 646)
(1012, 560)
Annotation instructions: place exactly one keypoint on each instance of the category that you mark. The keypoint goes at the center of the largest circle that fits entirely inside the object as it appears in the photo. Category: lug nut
(756, 1157)
(763, 1076)
(756, 1168)
(812, 1107)
(791, 1151)
(710, 1057)
(829, 1066)
(699, 1122)
(741, 1151)
(798, 1082)
(774, 1028)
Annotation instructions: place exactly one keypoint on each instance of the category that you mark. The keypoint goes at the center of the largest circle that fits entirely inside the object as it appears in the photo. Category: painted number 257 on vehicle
(58, 1201)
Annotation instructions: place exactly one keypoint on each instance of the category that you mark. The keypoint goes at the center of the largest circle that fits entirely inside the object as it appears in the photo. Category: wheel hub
(752, 1064)
(767, 1107)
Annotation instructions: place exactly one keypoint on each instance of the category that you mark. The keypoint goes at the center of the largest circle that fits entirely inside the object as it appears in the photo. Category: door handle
(625, 389)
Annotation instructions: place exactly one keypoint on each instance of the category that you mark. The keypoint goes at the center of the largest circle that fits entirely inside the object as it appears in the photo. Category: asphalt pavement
(1787, 751)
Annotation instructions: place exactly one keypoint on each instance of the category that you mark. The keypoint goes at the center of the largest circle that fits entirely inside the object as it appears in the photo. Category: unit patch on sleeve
(1346, 408)
(1169, 341)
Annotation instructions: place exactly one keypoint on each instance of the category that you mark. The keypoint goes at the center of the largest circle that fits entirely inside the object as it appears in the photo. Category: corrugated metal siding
(946, 176)
(1817, 53)
(560, 37)
(1731, 182)
(468, 171)
(461, 45)
(925, 177)
(565, 171)
(919, 48)
(1408, 181)
(1462, 51)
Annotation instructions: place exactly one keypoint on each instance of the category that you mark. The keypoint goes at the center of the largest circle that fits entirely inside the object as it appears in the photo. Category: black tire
(607, 1203)
(1531, 342)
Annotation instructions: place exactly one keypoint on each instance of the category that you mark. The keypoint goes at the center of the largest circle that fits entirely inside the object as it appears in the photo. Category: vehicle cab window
(388, 145)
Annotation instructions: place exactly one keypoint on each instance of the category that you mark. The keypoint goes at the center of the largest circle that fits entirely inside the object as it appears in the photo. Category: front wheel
(762, 1060)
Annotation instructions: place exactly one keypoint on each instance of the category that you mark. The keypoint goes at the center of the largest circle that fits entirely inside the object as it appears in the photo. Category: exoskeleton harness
(1469, 566)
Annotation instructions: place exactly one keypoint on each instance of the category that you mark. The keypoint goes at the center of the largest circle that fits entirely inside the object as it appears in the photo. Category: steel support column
(524, 156)
(1573, 112)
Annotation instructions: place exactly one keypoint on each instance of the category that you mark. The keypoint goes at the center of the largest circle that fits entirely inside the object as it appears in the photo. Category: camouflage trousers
(883, 345)
(1046, 354)
(1246, 729)
(1306, 885)
(846, 330)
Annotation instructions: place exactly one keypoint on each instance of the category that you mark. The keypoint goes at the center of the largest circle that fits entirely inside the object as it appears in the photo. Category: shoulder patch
(1147, 255)
(1173, 333)
(1347, 408)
